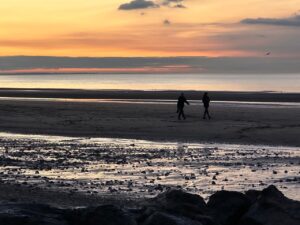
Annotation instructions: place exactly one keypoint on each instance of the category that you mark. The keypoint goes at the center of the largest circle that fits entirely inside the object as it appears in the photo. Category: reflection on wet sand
(144, 168)
(154, 101)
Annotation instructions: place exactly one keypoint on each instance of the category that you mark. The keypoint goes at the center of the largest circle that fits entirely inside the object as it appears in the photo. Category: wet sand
(128, 170)
(247, 122)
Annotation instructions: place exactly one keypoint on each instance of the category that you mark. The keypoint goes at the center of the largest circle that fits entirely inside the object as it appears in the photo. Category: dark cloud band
(289, 21)
(216, 65)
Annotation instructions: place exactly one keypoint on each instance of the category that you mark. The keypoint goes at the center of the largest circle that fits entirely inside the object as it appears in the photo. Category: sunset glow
(164, 69)
(100, 28)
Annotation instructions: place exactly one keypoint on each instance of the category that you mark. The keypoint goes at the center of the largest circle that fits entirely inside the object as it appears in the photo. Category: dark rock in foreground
(31, 214)
(174, 207)
(227, 207)
(272, 208)
(105, 214)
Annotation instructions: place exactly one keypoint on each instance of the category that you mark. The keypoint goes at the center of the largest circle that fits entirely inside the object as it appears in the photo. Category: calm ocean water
(210, 82)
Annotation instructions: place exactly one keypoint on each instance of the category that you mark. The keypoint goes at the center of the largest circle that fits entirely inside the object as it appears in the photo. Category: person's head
(205, 93)
(182, 94)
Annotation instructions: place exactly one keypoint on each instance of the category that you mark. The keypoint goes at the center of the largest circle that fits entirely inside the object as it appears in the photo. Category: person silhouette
(206, 101)
(180, 105)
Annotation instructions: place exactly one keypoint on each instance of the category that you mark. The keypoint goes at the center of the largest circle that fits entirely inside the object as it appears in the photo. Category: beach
(71, 180)
(150, 112)
(85, 148)
(243, 118)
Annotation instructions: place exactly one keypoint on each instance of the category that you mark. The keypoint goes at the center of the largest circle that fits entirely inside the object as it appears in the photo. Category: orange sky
(98, 28)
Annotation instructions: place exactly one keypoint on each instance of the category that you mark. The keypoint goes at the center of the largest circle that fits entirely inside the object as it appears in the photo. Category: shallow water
(145, 168)
(209, 82)
(157, 101)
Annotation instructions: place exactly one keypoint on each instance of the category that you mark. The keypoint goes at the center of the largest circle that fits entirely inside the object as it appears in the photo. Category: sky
(151, 28)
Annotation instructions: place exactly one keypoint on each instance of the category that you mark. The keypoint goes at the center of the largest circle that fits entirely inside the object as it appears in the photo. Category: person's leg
(183, 114)
(208, 113)
(179, 113)
(204, 115)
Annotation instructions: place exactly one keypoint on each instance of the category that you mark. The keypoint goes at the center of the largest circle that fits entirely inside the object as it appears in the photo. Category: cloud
(138, 4)
(293, 21)
(173, 3)
(145, 4)
(215, 65)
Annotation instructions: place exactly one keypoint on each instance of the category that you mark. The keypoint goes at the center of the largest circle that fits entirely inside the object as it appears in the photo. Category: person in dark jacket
(180, 105)
(206, 101)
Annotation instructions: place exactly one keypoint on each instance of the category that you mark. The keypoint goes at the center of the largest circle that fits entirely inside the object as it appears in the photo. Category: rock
(273, 193)
(31, 214)
(227, 207)
(178, 199)
(101, 215)
(272, 208)
(179, 203)
(253, 195)
(159, 218)
(173, 207)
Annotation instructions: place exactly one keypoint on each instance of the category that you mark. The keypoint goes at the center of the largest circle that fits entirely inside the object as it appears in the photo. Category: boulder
(253, 195)
(101, 215)
(227, 207)
(31, 214)
(160, 218)
(180, 203)
(272, 208)
(181, 196)
(174, 207)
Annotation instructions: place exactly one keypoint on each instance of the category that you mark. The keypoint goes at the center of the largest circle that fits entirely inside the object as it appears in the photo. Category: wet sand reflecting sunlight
(145, 168)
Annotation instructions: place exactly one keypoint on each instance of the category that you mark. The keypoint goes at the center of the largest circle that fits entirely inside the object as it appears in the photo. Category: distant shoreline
(246, 96)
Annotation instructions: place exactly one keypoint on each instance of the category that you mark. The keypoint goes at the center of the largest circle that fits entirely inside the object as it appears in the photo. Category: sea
(289, 83)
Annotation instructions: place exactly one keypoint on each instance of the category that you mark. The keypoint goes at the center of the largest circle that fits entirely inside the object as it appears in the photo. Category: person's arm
(186, 101)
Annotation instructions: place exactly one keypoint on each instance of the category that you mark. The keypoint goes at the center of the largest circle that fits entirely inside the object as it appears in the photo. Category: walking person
(180, 105)
(206, 101)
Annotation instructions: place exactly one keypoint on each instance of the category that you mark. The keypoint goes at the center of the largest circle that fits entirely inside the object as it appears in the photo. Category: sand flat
(254, 122)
